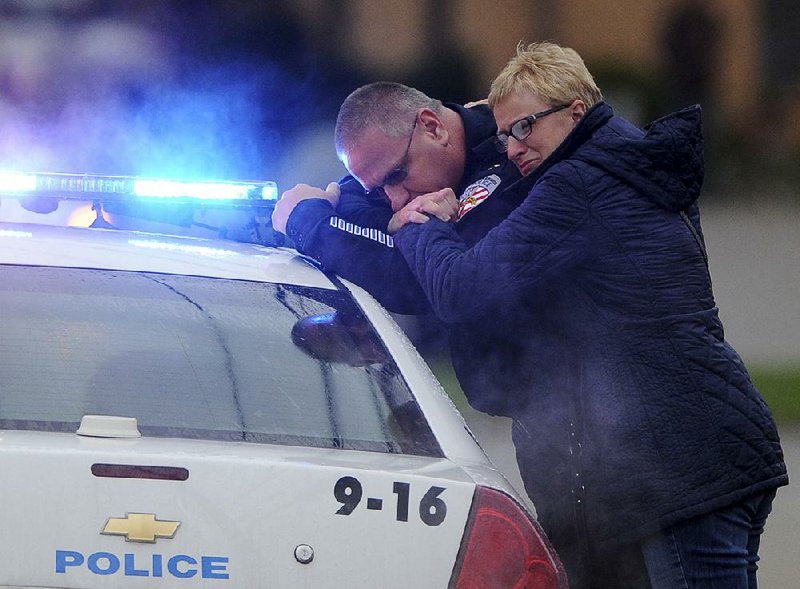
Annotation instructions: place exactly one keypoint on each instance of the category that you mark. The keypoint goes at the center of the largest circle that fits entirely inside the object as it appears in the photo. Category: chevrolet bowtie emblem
(140, 527)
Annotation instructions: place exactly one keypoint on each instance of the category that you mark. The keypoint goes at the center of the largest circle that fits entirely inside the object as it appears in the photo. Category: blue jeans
(715, 551)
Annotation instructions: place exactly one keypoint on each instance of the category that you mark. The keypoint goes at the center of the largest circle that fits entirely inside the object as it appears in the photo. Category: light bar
(10, 182)
(126, 188)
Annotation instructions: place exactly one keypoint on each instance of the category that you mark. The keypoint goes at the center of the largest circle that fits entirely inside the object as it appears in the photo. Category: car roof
(113, 249)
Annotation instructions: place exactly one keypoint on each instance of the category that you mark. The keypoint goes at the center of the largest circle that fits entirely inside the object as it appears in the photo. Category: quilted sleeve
(539, 238)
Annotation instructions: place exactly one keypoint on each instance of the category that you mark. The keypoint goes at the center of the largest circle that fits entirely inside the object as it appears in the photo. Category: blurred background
(249, 90)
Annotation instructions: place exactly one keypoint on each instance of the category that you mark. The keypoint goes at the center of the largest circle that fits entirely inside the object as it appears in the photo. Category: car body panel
(245, 508)
(147, 252)
(248, 506)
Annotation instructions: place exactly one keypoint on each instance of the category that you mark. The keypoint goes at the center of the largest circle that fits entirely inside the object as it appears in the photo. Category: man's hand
(442, 204)
(290, 198)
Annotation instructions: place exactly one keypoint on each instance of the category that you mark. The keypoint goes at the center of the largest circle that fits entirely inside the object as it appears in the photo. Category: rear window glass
(195, 357)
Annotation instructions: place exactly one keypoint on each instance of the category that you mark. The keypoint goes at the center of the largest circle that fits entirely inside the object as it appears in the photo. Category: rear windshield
(195, 357)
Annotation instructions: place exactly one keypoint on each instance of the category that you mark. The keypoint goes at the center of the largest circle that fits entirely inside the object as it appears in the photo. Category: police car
(179, 411)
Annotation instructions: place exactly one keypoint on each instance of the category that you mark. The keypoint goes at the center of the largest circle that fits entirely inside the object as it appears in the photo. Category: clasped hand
(441, 204)
(301, 192)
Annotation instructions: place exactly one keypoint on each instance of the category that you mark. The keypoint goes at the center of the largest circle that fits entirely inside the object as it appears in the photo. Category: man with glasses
(401, 148)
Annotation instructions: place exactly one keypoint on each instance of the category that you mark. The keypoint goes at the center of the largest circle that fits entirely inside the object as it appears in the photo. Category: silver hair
(387, 106)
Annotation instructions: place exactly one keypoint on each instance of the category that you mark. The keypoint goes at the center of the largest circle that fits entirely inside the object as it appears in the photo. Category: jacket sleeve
(532, 244)
(363, 254)
(356, 206)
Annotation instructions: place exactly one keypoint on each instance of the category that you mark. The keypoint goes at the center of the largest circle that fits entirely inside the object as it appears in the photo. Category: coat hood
(664, 162)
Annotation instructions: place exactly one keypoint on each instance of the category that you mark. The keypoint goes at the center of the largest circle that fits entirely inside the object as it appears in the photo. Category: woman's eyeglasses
(522, 128)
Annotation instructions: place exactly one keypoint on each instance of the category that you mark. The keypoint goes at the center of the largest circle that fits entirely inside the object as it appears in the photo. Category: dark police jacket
(593, 325)
(351, 241)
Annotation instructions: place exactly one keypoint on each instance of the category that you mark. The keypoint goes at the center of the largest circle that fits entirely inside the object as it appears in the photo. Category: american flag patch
(476, 193)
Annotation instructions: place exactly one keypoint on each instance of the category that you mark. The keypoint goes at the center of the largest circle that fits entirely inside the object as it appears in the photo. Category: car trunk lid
(98, 512)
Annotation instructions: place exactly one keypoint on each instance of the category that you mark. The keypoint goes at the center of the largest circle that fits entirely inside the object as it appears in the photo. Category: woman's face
(547, 132)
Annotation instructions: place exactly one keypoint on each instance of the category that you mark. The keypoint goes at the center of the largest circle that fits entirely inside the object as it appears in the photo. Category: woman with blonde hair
(650, 456)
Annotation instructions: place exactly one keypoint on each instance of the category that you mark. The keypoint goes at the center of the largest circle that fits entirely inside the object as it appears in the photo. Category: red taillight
(504, 548)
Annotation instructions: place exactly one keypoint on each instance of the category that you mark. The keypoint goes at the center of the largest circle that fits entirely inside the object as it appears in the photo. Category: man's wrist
(305, 216)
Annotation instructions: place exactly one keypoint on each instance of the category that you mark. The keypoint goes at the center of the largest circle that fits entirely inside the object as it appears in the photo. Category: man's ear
(433, 125)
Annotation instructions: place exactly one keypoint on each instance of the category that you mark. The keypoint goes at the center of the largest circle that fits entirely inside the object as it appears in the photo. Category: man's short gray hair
(388, 106)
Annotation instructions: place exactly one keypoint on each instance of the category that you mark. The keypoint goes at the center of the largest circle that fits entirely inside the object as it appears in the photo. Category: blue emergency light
(127, 188)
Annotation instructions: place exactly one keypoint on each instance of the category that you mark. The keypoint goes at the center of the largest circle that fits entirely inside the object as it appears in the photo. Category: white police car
(183, 412)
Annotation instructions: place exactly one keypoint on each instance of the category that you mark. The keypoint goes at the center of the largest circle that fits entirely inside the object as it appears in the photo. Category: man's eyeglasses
(400, 173)
(522, 128)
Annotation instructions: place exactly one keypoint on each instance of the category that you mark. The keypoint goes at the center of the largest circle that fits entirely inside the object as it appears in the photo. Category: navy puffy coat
(588, 317)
